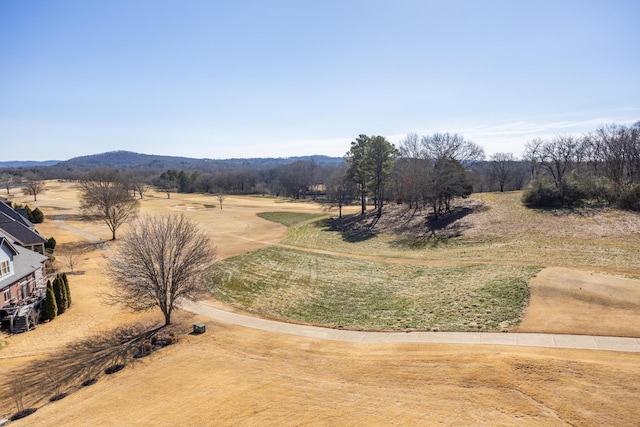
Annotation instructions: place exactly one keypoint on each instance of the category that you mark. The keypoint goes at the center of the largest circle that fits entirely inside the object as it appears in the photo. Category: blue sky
(287, 78)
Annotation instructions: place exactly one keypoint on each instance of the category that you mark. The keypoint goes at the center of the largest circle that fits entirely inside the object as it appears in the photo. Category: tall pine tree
(61, 299)
(50, 305)
(66, 285)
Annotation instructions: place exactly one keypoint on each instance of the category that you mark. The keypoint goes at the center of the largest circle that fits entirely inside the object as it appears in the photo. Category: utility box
(199, 328)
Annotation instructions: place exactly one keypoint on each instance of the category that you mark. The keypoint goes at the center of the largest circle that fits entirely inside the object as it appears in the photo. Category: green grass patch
(366, 295)
(289, 219)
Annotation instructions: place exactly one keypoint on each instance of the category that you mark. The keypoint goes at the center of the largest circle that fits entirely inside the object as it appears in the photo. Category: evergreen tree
(50, 244)
(37, 217)
(380, 157)
(357, 168)
(29, 212)
(50, 306)
(61, 299)
(370, 162)
(66, 283)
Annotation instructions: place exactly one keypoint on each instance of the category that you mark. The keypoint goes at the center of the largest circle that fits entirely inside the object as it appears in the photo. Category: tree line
(601, 167)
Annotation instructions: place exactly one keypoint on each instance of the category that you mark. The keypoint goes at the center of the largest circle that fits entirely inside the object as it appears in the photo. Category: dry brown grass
(234, 376)
(494, 228)
(237, 376)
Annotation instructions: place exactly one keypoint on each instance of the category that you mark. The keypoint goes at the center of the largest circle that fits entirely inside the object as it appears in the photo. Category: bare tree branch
(105, 197)
(160, 260)
(33, 185)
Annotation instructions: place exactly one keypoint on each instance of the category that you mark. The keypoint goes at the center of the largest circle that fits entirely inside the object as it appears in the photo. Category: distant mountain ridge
(129, 159)
(27, 163)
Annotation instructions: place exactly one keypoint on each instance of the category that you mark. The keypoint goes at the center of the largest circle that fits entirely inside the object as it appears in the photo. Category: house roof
(25, 262)
(6, 209)
(18, 232)
(7, 243)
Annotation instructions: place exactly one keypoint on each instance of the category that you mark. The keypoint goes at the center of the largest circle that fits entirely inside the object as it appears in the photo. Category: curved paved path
(89, 237)
(585, 342)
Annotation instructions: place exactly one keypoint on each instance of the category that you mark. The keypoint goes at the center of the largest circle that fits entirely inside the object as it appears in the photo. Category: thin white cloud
(511, 136)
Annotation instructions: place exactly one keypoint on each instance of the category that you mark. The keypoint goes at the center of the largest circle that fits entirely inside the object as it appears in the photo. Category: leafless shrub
(17, 392)
(72, 256)
(79, 363)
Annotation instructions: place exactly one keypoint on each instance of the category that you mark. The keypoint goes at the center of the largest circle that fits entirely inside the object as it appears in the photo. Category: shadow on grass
(436, 231)
(80, 364)
(352, 228)
(417, 228)
(448, 225)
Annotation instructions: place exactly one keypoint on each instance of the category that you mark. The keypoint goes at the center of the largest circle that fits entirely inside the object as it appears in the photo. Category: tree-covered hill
(128, 159)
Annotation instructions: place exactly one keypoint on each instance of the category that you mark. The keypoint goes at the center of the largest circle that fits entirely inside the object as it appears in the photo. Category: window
(4, 268)
(7, 295)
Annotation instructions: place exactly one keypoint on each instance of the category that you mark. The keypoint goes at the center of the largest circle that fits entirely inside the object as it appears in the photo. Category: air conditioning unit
(199, 328)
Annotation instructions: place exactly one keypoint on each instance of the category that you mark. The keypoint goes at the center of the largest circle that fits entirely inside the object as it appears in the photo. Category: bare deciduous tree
(533, 156)
(104, 196)
(451, 146)
(33, 185)
(160, 260)
(72, 258)
(54, 375)
(17, 392)
(340, 190)
(6, 179)
(140, 187)
(167, 186)
(78, 363)
(221, 198)
(413, 167)
(503, 165)
(559, 157)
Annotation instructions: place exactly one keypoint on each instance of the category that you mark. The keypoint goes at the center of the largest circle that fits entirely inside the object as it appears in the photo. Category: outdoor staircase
(20, 324)
(23, 317)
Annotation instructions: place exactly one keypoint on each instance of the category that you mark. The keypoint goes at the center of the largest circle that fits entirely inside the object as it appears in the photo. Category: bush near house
(60, 294)
(36, 217)
(50, 305)
(50, 244)
(66, 287)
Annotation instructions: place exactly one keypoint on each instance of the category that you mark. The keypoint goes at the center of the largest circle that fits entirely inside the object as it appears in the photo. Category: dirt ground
(565, 300)
(237, 376)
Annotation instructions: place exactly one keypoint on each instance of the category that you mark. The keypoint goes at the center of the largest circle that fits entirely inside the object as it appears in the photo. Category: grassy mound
(289, 219)
(360, 294)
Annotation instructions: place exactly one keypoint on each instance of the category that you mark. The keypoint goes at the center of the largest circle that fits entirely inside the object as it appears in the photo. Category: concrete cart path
(518, 339)
(585, 342)
(87, 236)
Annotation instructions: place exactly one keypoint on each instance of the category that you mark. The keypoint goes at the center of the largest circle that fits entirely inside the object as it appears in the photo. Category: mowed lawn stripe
(360, 294)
